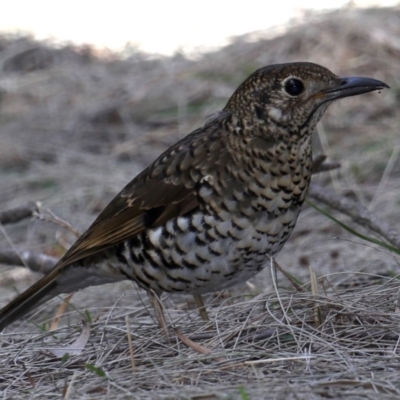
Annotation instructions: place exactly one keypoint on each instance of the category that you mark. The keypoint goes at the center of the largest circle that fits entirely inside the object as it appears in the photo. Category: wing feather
(164, 190)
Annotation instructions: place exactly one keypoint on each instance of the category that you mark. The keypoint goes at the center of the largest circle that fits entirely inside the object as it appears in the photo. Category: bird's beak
(352, 86)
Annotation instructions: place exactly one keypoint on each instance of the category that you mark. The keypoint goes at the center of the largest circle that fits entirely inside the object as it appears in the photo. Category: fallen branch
(356, 211)
(19, 213)
(37, 262)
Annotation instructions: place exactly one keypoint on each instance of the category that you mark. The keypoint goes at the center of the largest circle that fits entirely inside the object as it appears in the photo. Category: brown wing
(166, 189)
(132, 217)
(130, 214)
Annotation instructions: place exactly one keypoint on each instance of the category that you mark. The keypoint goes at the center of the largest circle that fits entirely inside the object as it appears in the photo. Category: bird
(211, 210)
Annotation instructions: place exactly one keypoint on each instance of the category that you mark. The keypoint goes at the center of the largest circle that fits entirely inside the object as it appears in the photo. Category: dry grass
(75, 128)
(269, 344)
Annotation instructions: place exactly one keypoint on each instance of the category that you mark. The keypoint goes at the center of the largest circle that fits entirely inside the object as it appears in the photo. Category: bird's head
(289, 99)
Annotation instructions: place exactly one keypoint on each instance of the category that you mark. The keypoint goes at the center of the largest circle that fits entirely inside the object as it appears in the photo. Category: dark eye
(294, 87)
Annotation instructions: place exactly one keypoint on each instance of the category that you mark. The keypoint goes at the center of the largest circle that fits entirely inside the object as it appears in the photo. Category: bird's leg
(158, 309)
(202, 309)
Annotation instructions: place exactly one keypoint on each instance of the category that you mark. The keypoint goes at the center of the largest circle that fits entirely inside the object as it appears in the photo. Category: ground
(76, 126)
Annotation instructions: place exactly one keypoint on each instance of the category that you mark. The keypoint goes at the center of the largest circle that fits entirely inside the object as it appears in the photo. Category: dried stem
(356, 211)
(49, 216)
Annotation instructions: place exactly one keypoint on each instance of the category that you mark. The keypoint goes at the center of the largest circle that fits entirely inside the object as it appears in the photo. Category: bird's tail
(40, 292)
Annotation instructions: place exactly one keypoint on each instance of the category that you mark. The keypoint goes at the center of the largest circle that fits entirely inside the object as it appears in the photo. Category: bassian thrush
(210, 211)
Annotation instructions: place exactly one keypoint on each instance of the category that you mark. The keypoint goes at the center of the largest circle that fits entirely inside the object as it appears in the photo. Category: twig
(130, 346)
(19, 213)
(289, 277)
(60, 312)
(37, 262)
(195, 346)
(314, 290)
(51, 217)
(190, 343)
(68, 389)
(356, 211)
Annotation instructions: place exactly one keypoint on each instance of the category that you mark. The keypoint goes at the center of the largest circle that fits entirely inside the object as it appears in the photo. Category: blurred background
(160, 27)
(91, 92)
